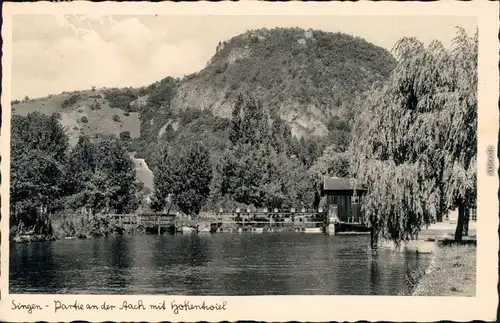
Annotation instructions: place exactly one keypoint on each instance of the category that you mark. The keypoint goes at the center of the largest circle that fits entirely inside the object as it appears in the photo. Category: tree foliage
(183, 177)
(163, 180)
(415, 141)
(47, 176)
(121, 98)
(38, 157)
(192, 179)
(257, 168)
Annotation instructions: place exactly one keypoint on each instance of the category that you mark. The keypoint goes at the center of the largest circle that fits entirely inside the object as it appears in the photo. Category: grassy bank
(451, 273)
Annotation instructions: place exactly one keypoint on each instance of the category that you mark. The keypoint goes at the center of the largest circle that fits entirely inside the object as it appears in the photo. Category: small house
(344, 195)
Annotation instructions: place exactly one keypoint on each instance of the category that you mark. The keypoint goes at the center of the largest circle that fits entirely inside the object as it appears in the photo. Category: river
(217, 264)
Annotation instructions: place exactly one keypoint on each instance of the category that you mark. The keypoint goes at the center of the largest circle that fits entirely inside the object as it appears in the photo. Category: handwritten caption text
(76, 306)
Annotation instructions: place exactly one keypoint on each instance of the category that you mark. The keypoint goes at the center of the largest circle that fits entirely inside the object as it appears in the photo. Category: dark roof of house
(341, 184)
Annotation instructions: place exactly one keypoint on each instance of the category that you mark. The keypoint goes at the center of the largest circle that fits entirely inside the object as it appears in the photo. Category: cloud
(111, 53)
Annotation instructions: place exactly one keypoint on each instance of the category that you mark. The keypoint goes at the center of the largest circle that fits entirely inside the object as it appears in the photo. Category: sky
(52, 54)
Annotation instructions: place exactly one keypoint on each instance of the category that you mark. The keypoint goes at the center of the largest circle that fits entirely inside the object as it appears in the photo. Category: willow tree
(414, 144)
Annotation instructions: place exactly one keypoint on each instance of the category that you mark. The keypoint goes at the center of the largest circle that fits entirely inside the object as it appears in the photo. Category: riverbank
(452, 271)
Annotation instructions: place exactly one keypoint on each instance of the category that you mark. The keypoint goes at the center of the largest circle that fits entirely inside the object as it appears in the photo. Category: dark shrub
(125, 135)
(120, 98)
(71, 100)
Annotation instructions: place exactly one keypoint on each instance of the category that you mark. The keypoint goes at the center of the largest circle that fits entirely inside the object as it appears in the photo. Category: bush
(84, 226)
(126, 113)
(71, 100)
(125, 135)
(116, 118)
(84, 119)
(120, 98)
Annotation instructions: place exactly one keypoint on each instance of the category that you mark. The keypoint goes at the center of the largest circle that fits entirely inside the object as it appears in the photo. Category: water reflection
(120, 260)
(219, 264)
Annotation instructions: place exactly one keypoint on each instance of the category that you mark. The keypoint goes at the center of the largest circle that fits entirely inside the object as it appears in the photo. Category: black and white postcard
(249, 161)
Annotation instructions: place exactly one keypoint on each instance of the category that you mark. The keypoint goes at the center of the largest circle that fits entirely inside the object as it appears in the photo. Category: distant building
(452, 216)
(346, 194)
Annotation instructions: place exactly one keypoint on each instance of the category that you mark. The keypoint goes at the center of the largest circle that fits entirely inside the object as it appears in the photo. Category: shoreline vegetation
(80, 226)
(452, 271)
(83, 226)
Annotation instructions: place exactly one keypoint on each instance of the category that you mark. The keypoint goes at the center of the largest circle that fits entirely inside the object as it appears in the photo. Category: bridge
(156, 221)
(215, 220)
(237, 219)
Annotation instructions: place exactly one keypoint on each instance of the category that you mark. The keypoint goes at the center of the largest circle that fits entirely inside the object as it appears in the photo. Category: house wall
(347, 212)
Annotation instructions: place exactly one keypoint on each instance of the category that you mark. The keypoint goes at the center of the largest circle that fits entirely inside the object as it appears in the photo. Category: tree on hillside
(292, 181)
(340, 131)
(281, 135)
(101, 178)
(121, 98)
(163, 180)
(162, 93)
(254, 123)
(38, 162)
(193, 178)
(256, 169)
(122, 191)
(82, 161)
(184, 176)
(245, 171)
(415, 142)
(307, 149)
(235, 131)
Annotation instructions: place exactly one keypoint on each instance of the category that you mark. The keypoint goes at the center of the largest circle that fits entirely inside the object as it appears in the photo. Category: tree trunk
(459, 231)
(374, 235)
(317, 200)
(465, 231)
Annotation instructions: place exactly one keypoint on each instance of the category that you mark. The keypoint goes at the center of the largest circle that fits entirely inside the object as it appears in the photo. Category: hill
(89, 112)
(307, 76)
